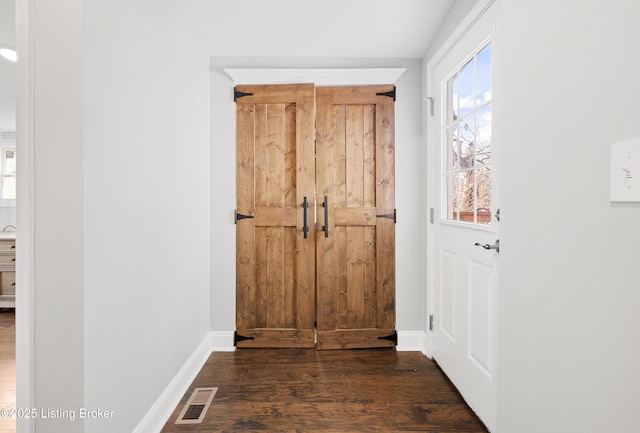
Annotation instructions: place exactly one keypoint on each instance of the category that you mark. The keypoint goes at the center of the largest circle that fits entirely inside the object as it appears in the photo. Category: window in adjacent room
(7, 169)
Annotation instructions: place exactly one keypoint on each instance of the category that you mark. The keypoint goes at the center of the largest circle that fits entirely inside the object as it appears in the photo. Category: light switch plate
(625, 172)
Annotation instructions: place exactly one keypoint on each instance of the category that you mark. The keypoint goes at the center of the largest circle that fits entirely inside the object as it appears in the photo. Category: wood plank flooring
(303, 390)
(7, 366)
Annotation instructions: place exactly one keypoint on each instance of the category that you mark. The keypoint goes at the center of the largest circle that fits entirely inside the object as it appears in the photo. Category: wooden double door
(315, 217)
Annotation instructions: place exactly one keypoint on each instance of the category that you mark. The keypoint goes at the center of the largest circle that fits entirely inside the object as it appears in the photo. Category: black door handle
(305, 225)
(325, 204)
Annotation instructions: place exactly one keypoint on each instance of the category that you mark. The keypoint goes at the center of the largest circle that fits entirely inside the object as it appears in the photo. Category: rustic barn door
(284, 184)
(356, 249)
(275, 234)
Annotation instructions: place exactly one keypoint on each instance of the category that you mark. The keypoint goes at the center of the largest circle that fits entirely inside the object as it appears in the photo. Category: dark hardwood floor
(328, 391)
(7, 367)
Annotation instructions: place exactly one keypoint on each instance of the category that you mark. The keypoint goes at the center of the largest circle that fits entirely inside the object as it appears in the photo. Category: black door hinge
(238, 338)
(238, 94)
(393, 337)
(391, 216)
(431, 322)
(390, 94)
(239, 216)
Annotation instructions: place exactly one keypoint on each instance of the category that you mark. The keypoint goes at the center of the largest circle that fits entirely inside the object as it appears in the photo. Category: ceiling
(281, 28)
(319, 28)
(307, 28)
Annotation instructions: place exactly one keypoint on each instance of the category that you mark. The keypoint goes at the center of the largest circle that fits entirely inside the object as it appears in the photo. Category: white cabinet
(7, 270)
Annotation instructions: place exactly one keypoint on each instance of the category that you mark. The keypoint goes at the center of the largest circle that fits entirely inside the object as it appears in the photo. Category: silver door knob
(495, 246)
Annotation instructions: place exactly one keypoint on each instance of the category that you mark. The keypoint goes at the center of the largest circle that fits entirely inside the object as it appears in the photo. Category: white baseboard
(222, 341)
(157, 416)
(412, 341)
(7, 304)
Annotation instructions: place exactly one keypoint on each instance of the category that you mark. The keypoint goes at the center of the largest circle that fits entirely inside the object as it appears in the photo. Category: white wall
(7, 69)
(565, 88)
(59, 249)
(7, 217)
(410, 297)
(146, 204)
(118, 281)
(570, 286)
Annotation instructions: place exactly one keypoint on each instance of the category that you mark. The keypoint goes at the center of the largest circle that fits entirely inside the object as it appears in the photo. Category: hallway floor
(7, 367)
(328, 391)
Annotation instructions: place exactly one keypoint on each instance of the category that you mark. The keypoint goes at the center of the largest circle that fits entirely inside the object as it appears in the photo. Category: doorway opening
(307, 154)
(8, 169)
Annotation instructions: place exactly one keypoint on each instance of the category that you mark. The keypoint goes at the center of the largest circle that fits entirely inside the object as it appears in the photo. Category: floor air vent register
(197, 406)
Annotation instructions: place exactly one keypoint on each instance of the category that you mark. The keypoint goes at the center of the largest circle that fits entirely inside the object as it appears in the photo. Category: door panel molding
(480, 314)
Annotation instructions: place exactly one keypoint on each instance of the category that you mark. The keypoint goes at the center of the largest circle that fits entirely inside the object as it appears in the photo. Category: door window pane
(467, 141)
(453, 148)
(453, 192)
(483, 195)
(483, 136)
(467, 195)
(465, 97)
(483, 75)
(452, 101)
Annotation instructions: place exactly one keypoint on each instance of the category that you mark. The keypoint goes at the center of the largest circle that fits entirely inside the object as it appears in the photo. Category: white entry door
(464, 198)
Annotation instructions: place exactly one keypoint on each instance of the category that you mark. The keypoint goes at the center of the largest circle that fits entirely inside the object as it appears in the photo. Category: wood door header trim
(276, 94)
(320, 77)
(354, 95)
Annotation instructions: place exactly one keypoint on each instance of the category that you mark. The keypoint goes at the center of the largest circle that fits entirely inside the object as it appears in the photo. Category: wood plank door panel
(275, 259)
(356, 247)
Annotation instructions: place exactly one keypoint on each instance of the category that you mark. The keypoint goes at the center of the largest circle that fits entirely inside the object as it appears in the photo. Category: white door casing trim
(465, 25)
(25, 215)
